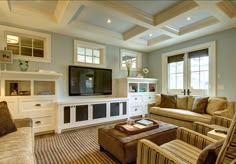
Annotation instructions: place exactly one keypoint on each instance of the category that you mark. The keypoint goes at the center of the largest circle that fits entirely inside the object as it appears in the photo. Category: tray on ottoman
(136, 127)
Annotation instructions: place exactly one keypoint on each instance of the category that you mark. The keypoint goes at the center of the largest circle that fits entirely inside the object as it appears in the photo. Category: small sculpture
(24, 65)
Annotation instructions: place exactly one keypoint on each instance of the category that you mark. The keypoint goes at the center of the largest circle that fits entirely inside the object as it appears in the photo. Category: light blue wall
(225, 60)
(62, 56)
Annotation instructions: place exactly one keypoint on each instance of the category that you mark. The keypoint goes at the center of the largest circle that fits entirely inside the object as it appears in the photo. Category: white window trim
(211, 46)
(132, 53)
(90, 45)
(47, 46)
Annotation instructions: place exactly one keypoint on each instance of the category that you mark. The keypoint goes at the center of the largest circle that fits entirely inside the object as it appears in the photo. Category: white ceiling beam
(66, 11)
(174, 11)
(123, 11)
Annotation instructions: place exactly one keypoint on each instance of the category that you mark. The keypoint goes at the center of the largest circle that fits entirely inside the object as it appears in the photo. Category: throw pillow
(190, 102)
(215, 104)
(200, 104)
(168, 101)
(182, 102)
(6, 123)
(210, 153)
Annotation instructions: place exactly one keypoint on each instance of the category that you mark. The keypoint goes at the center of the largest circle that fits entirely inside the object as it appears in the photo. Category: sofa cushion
(190, 102)
(6, 123)
(181, 114)
(215, 104)
(168, 101)
(210, 153)
(182, 102)
(17, 146)
(200, 104)
(178, 148)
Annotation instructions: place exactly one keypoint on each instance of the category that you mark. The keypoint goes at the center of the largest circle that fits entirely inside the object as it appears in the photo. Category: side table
(216, 135)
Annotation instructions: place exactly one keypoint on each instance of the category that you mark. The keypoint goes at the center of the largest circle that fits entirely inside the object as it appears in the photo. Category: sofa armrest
(202, 128)
(222, 121)
(228, 111)
(150, 105)
(193, 138)
(150, 153)
(24, 122)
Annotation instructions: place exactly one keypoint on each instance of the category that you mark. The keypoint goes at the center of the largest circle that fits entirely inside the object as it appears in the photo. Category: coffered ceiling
(140, 25)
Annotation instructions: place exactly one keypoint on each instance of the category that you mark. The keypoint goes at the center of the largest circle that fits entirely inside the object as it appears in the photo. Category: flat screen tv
(86, 81)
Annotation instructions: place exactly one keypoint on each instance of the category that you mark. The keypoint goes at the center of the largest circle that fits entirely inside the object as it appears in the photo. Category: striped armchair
(218, 122)
(185, 149)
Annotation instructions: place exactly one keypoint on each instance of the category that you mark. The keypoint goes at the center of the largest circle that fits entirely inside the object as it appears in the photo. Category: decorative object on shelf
(139, 75)
(24, 65)
(145, 71)
(128, 66)
(5, 58)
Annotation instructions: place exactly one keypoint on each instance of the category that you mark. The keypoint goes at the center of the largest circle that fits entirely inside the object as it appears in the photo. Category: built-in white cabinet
(139, 91)
(90, 111)
(32, 95)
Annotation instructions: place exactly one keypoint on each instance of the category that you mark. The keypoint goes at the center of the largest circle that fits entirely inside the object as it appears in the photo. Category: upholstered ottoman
(124, 147)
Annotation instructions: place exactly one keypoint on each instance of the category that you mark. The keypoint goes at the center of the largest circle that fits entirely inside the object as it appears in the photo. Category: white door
(188, 73)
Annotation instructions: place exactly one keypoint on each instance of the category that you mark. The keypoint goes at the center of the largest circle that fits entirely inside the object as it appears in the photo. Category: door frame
(211, 46)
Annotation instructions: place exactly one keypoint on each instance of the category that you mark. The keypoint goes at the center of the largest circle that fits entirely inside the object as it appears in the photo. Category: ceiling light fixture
(108, 21)
(150, 35)
(189, 18)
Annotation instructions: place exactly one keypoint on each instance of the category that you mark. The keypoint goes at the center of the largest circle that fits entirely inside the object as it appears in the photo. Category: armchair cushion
(215, 104)
(168, 101)
(209, 153)
(6, 123)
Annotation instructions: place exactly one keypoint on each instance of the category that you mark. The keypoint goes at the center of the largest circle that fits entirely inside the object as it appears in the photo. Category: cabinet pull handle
(37, 104)
(37, 122)
(135, 98)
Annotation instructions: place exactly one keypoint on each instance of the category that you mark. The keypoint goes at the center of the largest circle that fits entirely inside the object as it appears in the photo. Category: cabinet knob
(149, 97)
(37, 104)
(135, 109)
(37, 122)
(135, 98)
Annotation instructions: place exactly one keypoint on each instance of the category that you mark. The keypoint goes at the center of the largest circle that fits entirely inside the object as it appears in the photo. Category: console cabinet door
(99, 111)
(81, 113)
(114, 109)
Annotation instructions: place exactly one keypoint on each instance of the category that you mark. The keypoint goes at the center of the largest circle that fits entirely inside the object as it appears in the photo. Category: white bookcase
(77, 113)
(31, 94)
(139, 91)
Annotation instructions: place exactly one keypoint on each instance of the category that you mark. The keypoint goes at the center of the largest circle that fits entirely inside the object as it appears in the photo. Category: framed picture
(5, 56)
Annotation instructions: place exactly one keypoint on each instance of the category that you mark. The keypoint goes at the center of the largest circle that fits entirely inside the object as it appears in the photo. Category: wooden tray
(130, 129)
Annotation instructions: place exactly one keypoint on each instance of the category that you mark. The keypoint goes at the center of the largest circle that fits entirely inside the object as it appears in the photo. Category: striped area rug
(73, 147)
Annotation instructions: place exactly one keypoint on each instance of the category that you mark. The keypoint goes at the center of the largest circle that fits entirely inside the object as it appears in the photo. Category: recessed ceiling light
(189, 18)
(150, 35)
(108, 21)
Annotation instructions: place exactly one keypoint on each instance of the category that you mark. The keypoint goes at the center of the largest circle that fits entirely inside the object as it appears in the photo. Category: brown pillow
(200, 104)
(215, 104)
(210, 153)
(6, 123)
(168, 101)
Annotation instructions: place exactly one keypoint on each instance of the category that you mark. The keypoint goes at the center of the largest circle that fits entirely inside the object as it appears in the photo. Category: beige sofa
(18, 147)
(183, 114)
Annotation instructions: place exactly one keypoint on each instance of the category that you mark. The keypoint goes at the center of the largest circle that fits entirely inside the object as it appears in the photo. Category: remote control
(220, 131)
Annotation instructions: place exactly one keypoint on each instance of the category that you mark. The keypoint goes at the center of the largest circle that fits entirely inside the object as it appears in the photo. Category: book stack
(145, 122)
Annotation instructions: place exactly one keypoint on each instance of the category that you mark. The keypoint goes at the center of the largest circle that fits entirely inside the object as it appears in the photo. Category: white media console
(77, 113)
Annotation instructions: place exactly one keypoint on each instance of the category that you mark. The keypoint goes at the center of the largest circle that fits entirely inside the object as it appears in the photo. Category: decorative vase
(24, 65)
(128, 70)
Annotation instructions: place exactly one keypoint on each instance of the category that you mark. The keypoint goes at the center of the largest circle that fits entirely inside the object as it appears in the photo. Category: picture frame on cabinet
(6, 57)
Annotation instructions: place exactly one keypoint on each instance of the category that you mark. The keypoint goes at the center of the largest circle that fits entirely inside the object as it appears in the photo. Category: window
(88, 53)
(190, 71)
(27, 45)
(133, 58)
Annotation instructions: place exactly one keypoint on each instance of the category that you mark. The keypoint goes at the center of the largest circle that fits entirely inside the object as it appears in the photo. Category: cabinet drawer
(29, 105)
(43, 121)
(136, 109)
(149, 98)
(136, 98)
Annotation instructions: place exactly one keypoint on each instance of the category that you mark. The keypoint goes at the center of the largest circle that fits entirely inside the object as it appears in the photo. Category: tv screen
(85, 81)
